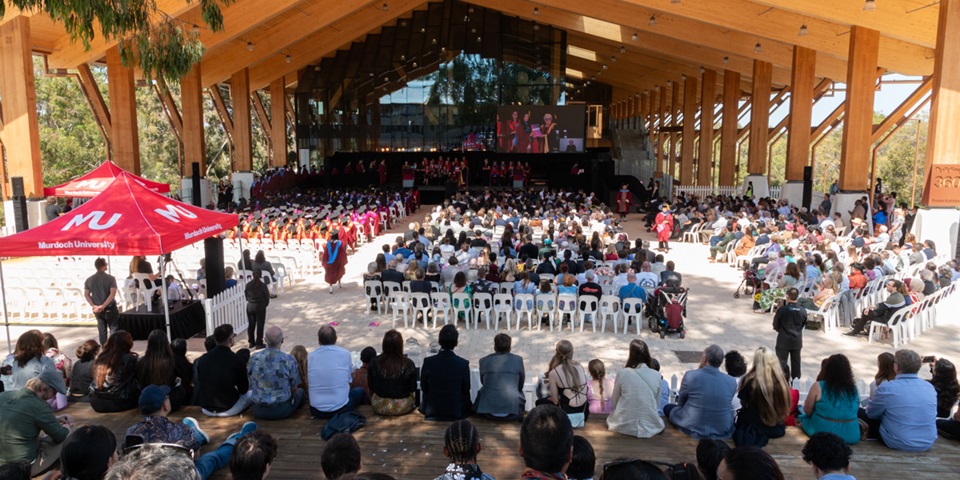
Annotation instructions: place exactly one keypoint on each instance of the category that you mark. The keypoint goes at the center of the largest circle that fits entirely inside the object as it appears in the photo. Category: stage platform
(409, 447)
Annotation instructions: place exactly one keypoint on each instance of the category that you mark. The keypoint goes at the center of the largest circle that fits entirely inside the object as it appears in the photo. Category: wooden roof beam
(324, 42)
(274, 39)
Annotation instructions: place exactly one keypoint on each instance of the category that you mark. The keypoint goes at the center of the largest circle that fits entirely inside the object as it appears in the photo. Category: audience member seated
(445, 381)
(115, 385)
(703, 408)
(82, 374)
(157, 367)
(829, 456)
(832, 403)
(709, 455)
(546, 443)
(392, 378)
(765, 399)
(567, 382)
(420, 284)
(903, 411)
(157, 428)
(27, 361)
(340, 457)
(252, 456)
(881, 313)
(88, 452)
(632, 289)
(670, 277)
(360, 376)
(600, 388)
(462, 445)
(24, 414)
(636, 396)
(329, 372)
(222, 382)
(274, 380)
(183, 367)
(391, 274)
(748, 463)
(583, 464)
(502, 376)
(944, 381)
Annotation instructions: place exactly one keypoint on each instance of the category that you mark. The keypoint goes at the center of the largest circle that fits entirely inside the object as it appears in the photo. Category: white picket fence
(703, 191)
(229, 306)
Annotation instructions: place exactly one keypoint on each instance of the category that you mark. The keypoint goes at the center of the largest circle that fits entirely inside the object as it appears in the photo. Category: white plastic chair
(420, 303)
(503, 306)
(400, 303)
(632, 310)
(524, 304)
(482, 306)
(440, 305)
(373, 291)
(460, 302)
(588, 305)
(609, 308)
(146, 290)
(547, 305)
(567, 305)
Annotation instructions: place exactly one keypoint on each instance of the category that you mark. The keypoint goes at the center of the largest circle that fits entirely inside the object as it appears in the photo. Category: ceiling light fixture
(623, 49)
(669, 82)
(757, 48)
(196, 28)
(288, 59)
(470, 10)
(249, 46)
(726, 60)
(414, 64)
(536, 11)
(604, 67)
(384, 7)
(652, 23)
(403, 57)
(683, 77)
(536, 27)
(803, 30)
(702, 70)
(635, 37)
(870, 5)
(613, 58)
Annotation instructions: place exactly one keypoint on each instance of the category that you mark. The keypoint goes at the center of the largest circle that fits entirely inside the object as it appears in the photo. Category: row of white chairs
(569, 309)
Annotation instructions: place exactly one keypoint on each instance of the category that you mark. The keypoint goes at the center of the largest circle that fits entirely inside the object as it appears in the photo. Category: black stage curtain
(186, 320)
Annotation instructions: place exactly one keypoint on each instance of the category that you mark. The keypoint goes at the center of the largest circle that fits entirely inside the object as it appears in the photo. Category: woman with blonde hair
(509, 272)
(567, 381)
(765, 399)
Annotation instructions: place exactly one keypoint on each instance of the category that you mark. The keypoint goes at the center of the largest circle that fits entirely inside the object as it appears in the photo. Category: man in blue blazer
(703, 408)
(502, 376)
(445, 381)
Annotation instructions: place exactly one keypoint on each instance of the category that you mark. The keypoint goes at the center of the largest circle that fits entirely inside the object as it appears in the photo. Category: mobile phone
(6, 370)
(928, 359)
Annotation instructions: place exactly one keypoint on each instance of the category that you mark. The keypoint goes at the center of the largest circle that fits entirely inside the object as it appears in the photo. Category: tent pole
(163, 296)
(6, 319)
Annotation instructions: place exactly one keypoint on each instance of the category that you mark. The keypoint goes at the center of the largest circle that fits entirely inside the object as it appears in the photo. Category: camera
(928, 359)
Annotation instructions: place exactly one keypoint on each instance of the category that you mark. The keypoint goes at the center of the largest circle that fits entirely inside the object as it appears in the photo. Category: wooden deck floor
(409, 447)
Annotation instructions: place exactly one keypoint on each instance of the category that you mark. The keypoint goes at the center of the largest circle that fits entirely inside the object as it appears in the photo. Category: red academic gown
(623, 201)
(664, 223)
(334, 261)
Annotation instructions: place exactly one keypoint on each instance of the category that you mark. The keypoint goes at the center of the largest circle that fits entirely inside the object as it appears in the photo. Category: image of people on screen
(512, 126)
(550, 133)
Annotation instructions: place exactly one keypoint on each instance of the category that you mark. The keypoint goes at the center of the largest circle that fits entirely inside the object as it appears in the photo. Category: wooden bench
(410, 447)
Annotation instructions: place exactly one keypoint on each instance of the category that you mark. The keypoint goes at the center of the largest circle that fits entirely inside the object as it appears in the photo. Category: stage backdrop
(541, 128)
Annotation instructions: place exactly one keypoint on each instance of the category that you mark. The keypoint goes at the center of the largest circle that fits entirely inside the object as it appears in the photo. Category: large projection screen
(541, 128)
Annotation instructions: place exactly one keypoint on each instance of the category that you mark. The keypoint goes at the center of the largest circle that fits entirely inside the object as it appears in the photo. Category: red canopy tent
(127, 218)
(97, 180)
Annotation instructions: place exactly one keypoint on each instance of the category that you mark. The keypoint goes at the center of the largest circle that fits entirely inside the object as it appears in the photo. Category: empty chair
(632, 311)
(523, 304)
(566, 308)
(587, 305)
(373, 290)
(609, 309)
(399, 302)
(420, 304)
(505, 287)
(145, 289)
(502, 306)
(482, 305)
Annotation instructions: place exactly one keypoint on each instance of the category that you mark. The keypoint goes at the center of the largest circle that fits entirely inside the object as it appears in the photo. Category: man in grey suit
(703, 408)
(502, 376)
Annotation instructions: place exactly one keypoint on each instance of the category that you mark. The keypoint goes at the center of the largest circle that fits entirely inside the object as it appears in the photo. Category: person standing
(258, 297)
(664, 226)
(100, 291)
(788, 323)
(52, 210)
(623, 202)
(334, 261)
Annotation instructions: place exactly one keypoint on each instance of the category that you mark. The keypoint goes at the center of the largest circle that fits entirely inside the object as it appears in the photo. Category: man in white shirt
(329, 371)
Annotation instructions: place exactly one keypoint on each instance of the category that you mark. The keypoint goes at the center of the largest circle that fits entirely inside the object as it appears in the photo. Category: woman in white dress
(636, 395)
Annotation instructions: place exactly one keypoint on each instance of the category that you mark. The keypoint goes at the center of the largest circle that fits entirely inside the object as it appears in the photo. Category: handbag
(344, 422)
(576, 419)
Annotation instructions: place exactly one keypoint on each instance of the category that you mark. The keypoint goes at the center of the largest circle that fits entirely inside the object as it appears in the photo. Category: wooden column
(123, 113)
(689, 130)
(801, 112)
(194, 135)
(659, 98)
(21, 133)
(708, 91)
(662, 150)
(858, 113)
(278, 121)
(729, 129)
(943, 143)
(240, 97)
(759, 117)
(675, 109)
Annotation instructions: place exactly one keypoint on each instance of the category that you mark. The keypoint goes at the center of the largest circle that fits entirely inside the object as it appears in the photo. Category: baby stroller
(666, 311)
(751, 283)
